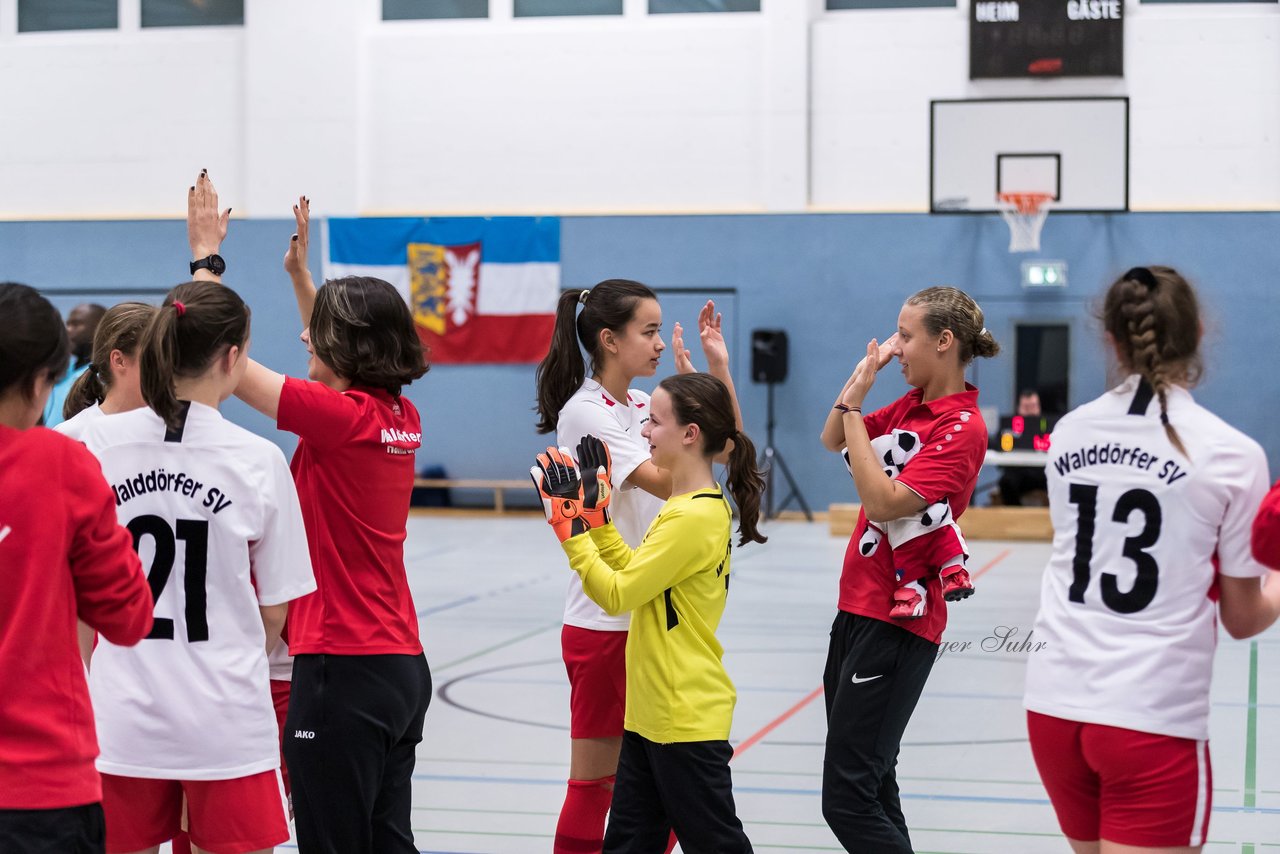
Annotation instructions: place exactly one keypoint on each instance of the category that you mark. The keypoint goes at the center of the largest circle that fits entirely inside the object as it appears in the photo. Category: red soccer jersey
(63, 555)
(949, 444)
(354, 471)
(1266, 530)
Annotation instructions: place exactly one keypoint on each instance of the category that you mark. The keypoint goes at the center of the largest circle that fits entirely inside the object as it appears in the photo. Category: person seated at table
(1025, 486)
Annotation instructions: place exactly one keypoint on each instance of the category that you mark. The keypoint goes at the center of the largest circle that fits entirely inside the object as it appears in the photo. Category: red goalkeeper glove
(597, 485)
(556, 478)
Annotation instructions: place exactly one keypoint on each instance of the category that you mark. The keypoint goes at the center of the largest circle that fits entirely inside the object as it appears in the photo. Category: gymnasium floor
(491, 771)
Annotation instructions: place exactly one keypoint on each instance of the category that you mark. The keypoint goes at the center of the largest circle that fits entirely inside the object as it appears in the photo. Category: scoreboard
(1046, 38)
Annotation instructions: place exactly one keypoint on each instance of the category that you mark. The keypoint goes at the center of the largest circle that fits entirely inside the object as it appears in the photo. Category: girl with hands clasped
(892, 611)
(673, 771)
(619, 324)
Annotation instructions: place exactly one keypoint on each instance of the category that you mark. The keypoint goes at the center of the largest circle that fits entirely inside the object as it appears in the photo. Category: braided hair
(1154, 316)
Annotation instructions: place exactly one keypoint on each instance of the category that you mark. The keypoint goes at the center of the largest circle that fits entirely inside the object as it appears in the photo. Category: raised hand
(684, 364)
(555, 476)
(206, 227)
(295, 259)
(713, 345)
(597, 480)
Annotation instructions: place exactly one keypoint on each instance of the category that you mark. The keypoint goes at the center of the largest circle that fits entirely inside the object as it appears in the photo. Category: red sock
(581, 826)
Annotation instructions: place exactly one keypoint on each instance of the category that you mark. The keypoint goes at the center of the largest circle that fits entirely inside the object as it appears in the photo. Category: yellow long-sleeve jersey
(675, 585)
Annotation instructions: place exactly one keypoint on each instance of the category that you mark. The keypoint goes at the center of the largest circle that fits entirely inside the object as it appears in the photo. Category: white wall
(1203, 82)
(788, 110)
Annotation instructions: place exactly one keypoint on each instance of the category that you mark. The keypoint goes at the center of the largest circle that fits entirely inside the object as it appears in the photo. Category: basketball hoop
(1025, 214)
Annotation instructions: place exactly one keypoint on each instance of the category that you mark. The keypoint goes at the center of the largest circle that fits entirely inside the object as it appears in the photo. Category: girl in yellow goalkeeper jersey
(673, 773)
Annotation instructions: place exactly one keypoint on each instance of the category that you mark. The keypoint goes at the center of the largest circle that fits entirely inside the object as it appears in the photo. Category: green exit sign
(1044, 274)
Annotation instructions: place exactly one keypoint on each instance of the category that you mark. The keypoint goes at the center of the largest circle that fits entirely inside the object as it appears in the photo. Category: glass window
(542, 8)
(833, 5)
(408, 10)
(664, 7)
(192, 13)
(36, 16)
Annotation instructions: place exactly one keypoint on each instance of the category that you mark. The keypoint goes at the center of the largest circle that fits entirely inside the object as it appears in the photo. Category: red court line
(777, 722)
(995, 560)
(817, 692)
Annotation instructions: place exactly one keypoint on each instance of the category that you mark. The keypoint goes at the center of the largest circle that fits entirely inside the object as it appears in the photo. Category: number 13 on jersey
(1135, 548)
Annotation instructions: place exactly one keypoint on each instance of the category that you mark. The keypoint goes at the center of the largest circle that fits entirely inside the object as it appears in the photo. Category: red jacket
(1266, 530)
(63, 554)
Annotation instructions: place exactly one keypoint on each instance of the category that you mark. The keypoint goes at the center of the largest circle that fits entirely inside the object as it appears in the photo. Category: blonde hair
(951, 308)
(120, 329)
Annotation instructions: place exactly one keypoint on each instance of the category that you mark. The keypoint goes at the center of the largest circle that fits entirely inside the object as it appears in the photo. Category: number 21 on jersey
(195, 537)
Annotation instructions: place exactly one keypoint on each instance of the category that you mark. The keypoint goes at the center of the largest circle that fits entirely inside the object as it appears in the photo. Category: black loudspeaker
(768, 355)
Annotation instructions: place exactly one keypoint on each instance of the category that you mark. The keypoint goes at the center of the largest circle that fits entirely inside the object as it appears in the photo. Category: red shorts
(280, 699)
(597, 666)
(223, 816)
(1128, 787)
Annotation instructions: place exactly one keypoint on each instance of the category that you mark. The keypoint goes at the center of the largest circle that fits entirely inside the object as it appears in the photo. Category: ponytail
(86, 391)
(703, 400)
(197, 323)
(157, 365)
(562, 372)
(746, 484)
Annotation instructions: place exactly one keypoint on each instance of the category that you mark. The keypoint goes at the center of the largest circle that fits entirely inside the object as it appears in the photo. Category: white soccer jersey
(215, 518)
(618, 423)
(77, 424)
(1125, 614)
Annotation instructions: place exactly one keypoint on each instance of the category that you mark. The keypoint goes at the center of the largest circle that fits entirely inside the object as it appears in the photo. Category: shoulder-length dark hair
(704, 400)
(34, 341)
(184, 341)
(361, 327)
(609, 305)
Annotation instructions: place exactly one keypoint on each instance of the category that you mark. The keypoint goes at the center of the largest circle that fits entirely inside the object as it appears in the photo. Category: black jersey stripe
(707, 495)
(174, 434)
(1142, 398)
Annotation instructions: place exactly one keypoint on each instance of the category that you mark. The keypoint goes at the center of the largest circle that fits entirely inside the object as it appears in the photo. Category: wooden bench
(978, 523)
(499, 487)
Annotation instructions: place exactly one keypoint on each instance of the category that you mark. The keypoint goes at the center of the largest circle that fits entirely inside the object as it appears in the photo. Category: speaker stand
(770, 461)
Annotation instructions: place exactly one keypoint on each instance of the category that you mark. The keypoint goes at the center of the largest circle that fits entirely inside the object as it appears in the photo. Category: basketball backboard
(1075, 149)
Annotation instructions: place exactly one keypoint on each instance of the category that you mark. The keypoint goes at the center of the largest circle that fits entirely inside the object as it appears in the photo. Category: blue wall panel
(831, 280)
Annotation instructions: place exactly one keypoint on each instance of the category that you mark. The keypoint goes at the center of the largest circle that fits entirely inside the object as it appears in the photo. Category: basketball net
(1025, 214)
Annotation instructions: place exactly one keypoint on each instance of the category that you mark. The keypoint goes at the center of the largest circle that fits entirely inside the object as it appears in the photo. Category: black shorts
(69, 830)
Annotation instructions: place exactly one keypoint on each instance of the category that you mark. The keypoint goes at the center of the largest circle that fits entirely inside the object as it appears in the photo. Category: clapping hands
(864, 374)
(714, 348)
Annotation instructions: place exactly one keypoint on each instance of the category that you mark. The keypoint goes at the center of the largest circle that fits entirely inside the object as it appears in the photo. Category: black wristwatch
(214, 264)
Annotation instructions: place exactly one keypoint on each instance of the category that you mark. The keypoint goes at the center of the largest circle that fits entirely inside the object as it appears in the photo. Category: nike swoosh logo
(857, 681)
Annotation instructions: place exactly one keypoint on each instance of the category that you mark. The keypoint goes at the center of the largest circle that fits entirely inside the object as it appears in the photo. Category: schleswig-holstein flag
(481, 289)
